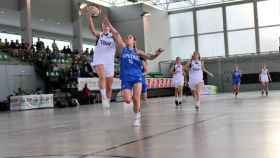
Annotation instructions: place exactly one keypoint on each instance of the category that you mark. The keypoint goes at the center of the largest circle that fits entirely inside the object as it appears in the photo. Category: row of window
(240, 26)
(48, 42)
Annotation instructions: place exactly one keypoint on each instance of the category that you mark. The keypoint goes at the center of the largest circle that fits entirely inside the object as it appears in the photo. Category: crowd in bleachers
(59, 68)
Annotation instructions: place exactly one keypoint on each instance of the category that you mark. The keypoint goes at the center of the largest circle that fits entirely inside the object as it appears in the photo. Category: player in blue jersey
(131, 74)
(236, 80)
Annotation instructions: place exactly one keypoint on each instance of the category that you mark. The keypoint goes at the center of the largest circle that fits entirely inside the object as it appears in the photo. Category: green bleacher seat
(155, 74)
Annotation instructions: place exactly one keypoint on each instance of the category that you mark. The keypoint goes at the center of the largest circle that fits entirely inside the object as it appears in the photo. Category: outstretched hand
(159, 51)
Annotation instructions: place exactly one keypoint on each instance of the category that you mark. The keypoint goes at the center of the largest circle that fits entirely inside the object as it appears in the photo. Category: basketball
(89, 10)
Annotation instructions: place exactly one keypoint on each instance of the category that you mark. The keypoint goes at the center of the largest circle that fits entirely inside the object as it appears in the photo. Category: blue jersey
(236, 75)
(130, 65)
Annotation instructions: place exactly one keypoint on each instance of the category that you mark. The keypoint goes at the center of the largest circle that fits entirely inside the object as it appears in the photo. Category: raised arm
(92, 27)
(149, 56)
(205, 70)
(115, 33)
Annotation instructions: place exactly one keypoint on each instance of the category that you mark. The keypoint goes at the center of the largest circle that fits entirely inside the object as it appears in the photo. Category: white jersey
(178, 71)
(264, 75)
(178, 77)
(195, 73)
(105, 50)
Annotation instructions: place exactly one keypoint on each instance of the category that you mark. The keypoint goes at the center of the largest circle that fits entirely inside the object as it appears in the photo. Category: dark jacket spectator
(48, 51)
(68, 50)
(91, 52)
(17, 45)
(40, 45)
(13, 45)
(64, 51)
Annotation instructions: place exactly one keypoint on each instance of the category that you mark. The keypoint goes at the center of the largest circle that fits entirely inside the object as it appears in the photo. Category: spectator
(32, 48)
(91, 52)
(54, 46)
(86, 51)
(86, 70)
(40, 45)
(86, 93)
(22, 45)
(64, 51)
(7, 44)
(13, 44)
(68, 50)
(17, 45)
(48, 51)
(20, 92)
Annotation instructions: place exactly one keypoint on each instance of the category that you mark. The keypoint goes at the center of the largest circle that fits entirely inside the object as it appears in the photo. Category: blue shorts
(144, 86)
(130, 84)
(236, 82)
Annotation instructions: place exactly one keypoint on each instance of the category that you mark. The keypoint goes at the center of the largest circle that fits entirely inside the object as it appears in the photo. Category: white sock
(103, 93)
(138, 115)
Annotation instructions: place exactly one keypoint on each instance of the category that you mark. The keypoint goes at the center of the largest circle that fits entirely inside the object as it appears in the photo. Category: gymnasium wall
(151, 31)
(15, 76)
(222, 69)
(156, 31)
(127, 20)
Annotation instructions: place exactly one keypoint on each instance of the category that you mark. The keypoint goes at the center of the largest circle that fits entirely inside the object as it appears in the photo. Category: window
(182, 47)
(240, 16)
(269, 12)
(85, 46)
(204, 24)
(61, 44)
(203, 2)
(48, 42)
(179, 5)
(181, 24)
(269, 38)
(10, 37)
(242, 42)
(211, 45)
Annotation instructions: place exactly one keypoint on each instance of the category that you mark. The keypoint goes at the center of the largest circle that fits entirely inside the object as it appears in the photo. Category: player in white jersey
(178, 80)
(103, 60)
(264, 78)
(196, 82)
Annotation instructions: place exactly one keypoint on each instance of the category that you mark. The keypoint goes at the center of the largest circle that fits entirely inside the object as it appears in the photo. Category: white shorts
(109, 69)
(264, 78)
(192, 83)
(178, 81)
